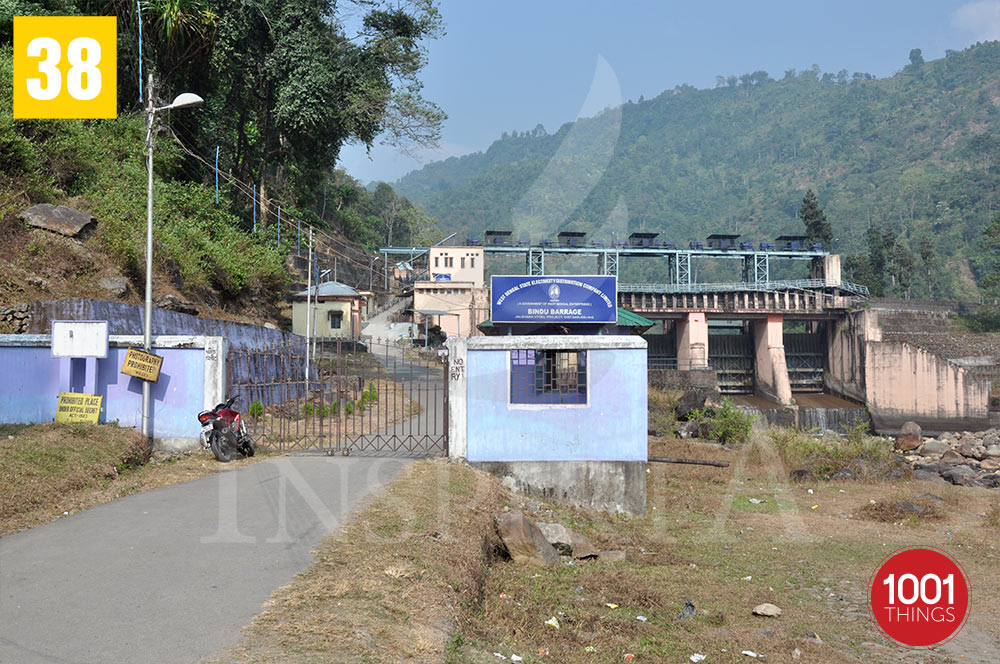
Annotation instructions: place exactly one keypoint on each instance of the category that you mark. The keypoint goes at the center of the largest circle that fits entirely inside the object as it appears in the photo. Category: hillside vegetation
(285, 84)
(914, 157)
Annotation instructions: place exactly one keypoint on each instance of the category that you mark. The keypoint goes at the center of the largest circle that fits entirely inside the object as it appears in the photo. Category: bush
(726, 423)
(867, 456)
(256, 409)
(372, 391)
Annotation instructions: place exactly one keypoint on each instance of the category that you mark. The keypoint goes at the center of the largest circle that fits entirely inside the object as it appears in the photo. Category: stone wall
(676, 379)
(123, 318)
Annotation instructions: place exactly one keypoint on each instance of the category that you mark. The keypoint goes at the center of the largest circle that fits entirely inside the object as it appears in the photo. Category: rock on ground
(767, 610)
(59, 219)
(910, 436)
(525, 542)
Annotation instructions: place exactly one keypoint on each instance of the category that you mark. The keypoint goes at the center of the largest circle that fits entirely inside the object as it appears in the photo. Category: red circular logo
(919, 597)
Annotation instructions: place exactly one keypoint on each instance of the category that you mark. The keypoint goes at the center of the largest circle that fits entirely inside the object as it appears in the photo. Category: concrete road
(172, 575)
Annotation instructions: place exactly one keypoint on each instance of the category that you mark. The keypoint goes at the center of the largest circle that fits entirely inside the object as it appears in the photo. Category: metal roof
(329, 289)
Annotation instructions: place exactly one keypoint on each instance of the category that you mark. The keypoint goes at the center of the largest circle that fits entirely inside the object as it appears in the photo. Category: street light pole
(183, 100)
(147, 329)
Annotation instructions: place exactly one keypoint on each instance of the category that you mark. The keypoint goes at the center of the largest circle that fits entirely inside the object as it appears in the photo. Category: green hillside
(914, 157)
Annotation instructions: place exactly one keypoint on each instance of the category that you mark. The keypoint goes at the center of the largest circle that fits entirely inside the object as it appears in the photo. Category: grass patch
(662, 409)
(49, 470)
(901, 509)
(868, 457)
(993, 516)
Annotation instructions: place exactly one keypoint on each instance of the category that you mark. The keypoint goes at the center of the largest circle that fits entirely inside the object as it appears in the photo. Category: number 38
(83, 55)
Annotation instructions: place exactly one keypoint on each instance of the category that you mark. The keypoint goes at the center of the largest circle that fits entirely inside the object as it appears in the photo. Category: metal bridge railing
(675, 363)
(791, 284)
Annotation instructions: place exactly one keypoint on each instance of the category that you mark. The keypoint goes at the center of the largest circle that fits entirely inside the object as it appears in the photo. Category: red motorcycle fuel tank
(228, 414)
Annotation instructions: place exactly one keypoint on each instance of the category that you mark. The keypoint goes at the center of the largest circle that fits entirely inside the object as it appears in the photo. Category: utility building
(336, 307)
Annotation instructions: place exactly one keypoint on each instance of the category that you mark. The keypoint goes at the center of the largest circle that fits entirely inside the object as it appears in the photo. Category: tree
(817, 227)
(916, 58)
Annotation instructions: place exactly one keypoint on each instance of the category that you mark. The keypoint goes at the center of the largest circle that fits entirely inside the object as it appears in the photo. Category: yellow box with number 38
(65, 67)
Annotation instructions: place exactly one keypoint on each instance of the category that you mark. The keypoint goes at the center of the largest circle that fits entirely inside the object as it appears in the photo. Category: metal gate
(362, 399)
(732, 357)
(805, 355)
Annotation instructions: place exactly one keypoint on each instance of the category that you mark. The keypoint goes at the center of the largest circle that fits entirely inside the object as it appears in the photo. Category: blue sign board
(555, 299)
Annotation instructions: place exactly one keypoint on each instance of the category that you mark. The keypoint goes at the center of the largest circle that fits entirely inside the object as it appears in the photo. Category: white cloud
(982, 19)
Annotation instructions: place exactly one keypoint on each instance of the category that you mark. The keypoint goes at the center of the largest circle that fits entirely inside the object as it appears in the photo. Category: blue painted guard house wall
(611, 426)
(510, 418)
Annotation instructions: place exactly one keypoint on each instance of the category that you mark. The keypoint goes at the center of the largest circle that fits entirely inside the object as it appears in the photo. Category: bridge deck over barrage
(795, 300)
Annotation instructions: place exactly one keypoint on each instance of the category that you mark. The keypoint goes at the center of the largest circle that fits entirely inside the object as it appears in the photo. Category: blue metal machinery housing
(756, 260)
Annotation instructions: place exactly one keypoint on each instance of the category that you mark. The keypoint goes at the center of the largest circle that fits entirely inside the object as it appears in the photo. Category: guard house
(336, 308)
(562, 414)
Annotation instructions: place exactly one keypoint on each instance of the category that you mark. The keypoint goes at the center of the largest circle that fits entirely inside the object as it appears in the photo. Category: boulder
(910, 436)
(558, 536)
(59, 219)
(616, 556)
(582, 547)
(525, 542)
(688, 429)
(910, 507)
(961, 475)
(693, 399)
(952, 457)
(971, 450)
(116, 285)
(844, 474)
(934, 448)
(993, 451)
(927, 476)
(767, 610)
(990, 463)
(174, 303)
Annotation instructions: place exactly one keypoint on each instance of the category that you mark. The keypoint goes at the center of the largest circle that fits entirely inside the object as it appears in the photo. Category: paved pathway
(171, 575)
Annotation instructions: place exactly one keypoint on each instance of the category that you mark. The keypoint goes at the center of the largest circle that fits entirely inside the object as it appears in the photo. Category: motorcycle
(223, 431)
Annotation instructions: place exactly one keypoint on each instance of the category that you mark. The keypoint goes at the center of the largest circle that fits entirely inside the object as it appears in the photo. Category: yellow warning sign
(142, 365)
(75, 407)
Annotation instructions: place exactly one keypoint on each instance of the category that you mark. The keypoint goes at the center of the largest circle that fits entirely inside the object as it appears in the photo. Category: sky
(511, 65)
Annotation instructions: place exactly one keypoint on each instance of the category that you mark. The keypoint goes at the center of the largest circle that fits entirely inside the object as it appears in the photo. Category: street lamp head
(186, 99)
(183, 100)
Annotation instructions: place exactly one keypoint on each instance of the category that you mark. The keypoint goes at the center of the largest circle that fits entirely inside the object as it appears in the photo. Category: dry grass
(391, 585)
(662, 409)
(51, 470)
(412, 578)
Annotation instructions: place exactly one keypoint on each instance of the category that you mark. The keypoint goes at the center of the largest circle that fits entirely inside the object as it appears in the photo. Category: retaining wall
(192, 379)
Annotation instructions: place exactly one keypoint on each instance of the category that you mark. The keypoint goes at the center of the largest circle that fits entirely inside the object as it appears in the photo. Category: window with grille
(557, 377)
(336, 319)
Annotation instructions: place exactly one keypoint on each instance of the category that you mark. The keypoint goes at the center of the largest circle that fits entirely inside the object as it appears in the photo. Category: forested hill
(915, 156)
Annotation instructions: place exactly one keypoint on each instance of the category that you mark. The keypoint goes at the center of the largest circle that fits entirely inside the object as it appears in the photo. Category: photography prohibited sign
(919, 597)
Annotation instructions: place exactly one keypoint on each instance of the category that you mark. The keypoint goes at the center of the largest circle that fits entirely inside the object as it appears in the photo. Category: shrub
(372, 391)
(350, 408)
(726, 423)
(256, 409)
(865, 455)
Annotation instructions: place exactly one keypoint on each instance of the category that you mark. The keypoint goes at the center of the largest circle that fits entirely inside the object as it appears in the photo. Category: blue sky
(514, 64)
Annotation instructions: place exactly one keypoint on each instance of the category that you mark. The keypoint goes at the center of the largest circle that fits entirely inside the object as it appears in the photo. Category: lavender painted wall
(611, 427)
(127, 319)
(31, 379)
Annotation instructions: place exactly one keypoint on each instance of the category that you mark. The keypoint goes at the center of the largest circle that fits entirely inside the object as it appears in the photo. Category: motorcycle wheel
(219, 448)
(248, 450)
